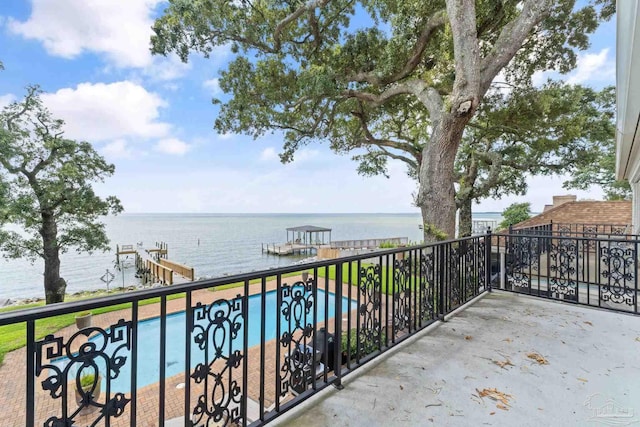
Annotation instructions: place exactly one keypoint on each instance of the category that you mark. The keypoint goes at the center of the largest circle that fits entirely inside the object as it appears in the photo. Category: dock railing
(181, 269)
(368, 243)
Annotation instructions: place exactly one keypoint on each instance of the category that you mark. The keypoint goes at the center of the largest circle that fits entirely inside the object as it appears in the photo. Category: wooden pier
(287, 248)
(152, 265)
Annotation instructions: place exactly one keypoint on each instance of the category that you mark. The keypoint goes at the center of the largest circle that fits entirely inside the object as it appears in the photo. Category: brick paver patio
(13, 371)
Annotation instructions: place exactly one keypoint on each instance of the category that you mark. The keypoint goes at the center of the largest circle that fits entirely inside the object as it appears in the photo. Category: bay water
(214, 244)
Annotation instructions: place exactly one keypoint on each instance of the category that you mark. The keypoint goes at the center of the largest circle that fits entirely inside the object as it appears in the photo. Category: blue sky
(153, 118)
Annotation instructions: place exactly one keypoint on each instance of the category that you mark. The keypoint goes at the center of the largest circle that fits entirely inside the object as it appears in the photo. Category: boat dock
(152, 265)
(287, 248)
(301, 239)
(310, 238)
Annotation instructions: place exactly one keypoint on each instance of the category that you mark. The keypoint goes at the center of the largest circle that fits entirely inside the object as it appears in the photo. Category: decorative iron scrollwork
(370, 289)
(401, 294)
(455, 284)
(470, 270)
(93, 359)
(562, 267)
(564, 230)
(297, 304)
(519, 262)
(216, 331)
(481, 268)
(619, 230)
(619, 270)
(426, 298)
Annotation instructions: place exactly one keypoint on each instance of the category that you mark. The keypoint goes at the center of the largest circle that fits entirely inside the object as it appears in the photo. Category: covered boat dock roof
(308, 228)
(308, 235)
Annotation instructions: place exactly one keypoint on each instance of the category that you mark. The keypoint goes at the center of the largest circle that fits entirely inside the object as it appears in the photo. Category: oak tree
(47, 203)
(338, 70)
(555, 129)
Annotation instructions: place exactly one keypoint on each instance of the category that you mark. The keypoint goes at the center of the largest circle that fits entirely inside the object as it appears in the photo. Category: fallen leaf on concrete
(492, 413)
(501, 406)
(507, 339)
(638, 339)
(468, 337)
(503, 363)
(496, 395)
(538, 358)
(588, 323)
(584, 380)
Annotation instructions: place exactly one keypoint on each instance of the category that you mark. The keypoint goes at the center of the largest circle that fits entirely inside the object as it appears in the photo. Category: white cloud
(166, 68)
(118, 149)
(268, 155)
(118, 29)
(539, 78)
(103, 112)
(593, 66)
(6, 99)
(213, 85)
(172, 146)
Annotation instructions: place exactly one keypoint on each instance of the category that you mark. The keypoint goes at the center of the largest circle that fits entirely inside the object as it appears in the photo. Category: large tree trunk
(54, 285)
(436, 194)
(465, 223)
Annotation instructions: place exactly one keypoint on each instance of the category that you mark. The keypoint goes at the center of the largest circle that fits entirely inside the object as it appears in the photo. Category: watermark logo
(607, 411)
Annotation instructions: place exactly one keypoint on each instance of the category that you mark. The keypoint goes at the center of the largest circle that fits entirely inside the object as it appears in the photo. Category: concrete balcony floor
(591, 375)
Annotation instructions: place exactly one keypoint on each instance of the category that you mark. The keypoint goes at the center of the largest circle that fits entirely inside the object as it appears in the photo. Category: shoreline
(16, 302)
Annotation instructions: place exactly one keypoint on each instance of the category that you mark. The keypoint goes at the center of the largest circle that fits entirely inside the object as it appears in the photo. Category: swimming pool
(149, 340)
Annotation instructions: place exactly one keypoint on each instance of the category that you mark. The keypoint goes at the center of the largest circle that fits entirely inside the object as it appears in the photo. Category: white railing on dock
(369, 243)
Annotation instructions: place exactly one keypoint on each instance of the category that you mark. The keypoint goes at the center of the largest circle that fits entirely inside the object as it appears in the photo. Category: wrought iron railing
(600, 230)
(236, 350)
(576, 268)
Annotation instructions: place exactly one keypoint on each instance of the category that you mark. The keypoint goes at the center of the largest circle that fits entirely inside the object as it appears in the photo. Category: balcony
(246, 349)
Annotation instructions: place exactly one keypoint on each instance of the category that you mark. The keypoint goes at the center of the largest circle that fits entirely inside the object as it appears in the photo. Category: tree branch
(426, 94)
(383, 142)
(307, 6)
(412, 163)
(462, 18)
(437, 20)
(511, 39)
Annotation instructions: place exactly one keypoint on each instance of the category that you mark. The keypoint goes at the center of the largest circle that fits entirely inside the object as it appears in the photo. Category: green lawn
(14, 336)
(354, 275)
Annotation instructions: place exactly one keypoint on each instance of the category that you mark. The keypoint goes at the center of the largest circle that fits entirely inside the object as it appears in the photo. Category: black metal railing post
(487, 260)
(31, 371)
(441, 287)
(337, 340)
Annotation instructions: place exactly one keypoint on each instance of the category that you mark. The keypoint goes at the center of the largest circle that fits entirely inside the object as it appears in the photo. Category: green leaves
(515, 213)
(378, 80)
(46, 187)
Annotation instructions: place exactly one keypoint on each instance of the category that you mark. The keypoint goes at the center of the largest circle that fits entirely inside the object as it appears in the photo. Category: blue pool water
(149, 339)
